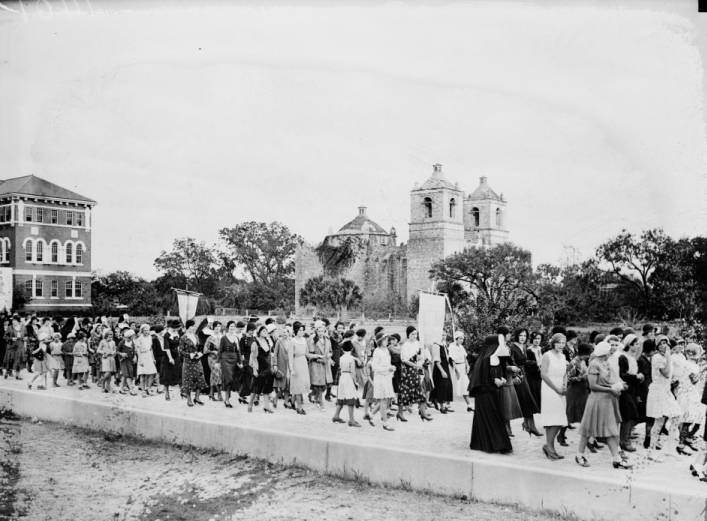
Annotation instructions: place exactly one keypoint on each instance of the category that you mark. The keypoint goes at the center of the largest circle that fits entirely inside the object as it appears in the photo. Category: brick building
(443, 220)
(45, 240)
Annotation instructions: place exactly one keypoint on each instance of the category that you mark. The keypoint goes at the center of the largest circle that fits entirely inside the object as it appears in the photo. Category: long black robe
(488, 430)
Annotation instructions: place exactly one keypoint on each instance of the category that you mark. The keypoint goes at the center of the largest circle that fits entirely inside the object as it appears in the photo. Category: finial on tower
(362, 210)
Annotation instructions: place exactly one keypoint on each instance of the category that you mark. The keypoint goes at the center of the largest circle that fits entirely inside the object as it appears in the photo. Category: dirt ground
(53, 472)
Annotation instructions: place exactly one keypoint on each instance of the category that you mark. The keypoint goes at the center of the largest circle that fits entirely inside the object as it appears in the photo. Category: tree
(634, 259)
(499, 282)
(265, 251)
(122, 288)
(192, 262)
(338, 294)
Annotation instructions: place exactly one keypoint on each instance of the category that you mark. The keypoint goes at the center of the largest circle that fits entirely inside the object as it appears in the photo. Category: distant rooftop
(36, 186)
(361, 224)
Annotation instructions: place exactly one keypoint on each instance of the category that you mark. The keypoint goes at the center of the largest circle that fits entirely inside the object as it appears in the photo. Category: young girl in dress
(56, 358)
(106, 351)
(81, 367)
(367, 396)
(346, 392)
(39, 362)
(126, 353)
(383, 371)
(146, 368)
(661, 405)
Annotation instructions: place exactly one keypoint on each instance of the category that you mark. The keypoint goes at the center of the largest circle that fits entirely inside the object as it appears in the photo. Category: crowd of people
(603, 386)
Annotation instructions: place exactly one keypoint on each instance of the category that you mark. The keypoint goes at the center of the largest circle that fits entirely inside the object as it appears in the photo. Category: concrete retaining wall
(555, 491)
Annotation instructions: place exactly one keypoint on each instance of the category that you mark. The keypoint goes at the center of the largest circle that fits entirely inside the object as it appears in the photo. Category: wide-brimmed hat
(601, 349)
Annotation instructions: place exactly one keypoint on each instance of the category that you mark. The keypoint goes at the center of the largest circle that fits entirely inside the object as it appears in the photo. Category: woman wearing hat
(442, 393)
(212, 345)
(319, 357)
(229, 359)
(146, 368)
(171, 365)
(411, 358)
(261, 361)
(488, 429)
(601, 414)
(688, 395)
(192, 370)
(661, 405)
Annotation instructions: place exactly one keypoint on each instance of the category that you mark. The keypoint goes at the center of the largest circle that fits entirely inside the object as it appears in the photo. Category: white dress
(346, 390)
(660, 401)
(460, 382)
(299, 381)
(689, 396)
(553, 408)
(382, 374)
(145, 358)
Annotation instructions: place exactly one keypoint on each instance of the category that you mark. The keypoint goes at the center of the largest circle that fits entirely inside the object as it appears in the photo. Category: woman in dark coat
(533, 361)
(488, 430)
(528, 405)
(192, 370)
(229, 356)
(443, 393)
(171, 361)
(628, 401)
(645, 368)
(246, 374)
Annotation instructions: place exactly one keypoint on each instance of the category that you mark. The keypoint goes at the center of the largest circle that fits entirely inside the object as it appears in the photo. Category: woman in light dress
(299, 369)
(460, 372)
(601, 416)
(689, 394)
(383, 371)
(146, 368)
(56, 358)
(106, 352)
(319, 357)
(346, 392)
(661, 405)
(553, 413)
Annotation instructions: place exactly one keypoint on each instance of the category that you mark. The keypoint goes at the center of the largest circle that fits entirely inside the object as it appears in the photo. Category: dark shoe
(581, 461)
(400, 418)
(563, 442)
(621, 464)
(694, 471)
(337, 420)
(199, 402)
(301, 411)
(682, 451)
(228, 404)
(268, 411)
(469, 409)
(646, 442)
(354, 423)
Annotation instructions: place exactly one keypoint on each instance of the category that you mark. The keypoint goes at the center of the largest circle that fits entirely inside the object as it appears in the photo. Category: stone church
(443, 220)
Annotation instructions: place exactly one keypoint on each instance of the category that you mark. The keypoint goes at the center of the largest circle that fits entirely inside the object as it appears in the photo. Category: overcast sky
(181, 120)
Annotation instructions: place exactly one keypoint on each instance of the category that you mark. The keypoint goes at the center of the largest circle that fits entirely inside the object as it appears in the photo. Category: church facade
(443, 220)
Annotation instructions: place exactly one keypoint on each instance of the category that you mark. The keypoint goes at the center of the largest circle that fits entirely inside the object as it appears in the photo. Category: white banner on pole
(6, 288)
(430, 317)
(187, 304)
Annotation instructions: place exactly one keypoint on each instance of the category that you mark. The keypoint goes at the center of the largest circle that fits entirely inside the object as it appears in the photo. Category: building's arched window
(499, 217)
(428, 207)
(69, 252)
(79, 254)
(475, 216)
(40, 251)
(55, 252)
(28, 251)
(452, 208)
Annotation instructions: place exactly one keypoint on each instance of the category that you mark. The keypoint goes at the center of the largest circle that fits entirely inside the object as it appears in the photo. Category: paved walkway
(446, 435)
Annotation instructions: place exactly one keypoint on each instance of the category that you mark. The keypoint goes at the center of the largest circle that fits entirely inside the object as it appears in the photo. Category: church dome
(361, 225)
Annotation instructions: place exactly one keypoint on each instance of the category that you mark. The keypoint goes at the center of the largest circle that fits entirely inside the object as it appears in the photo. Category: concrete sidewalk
(430, 456)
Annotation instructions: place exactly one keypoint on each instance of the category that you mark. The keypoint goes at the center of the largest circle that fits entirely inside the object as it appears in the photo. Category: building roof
(437, 180)
(361, 224)
(36, 186)
(484, 191)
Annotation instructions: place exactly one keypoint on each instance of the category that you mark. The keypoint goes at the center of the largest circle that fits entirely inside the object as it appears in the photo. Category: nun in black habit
(488, 430)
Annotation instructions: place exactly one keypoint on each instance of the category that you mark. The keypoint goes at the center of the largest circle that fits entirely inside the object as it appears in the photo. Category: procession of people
(608, 388)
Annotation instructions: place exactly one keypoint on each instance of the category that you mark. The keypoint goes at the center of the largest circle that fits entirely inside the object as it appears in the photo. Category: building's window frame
(68, 289)
(55, 216)
(54, 289)
(69, 252)
(38, 288)
(29, 287)
(29, 254)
